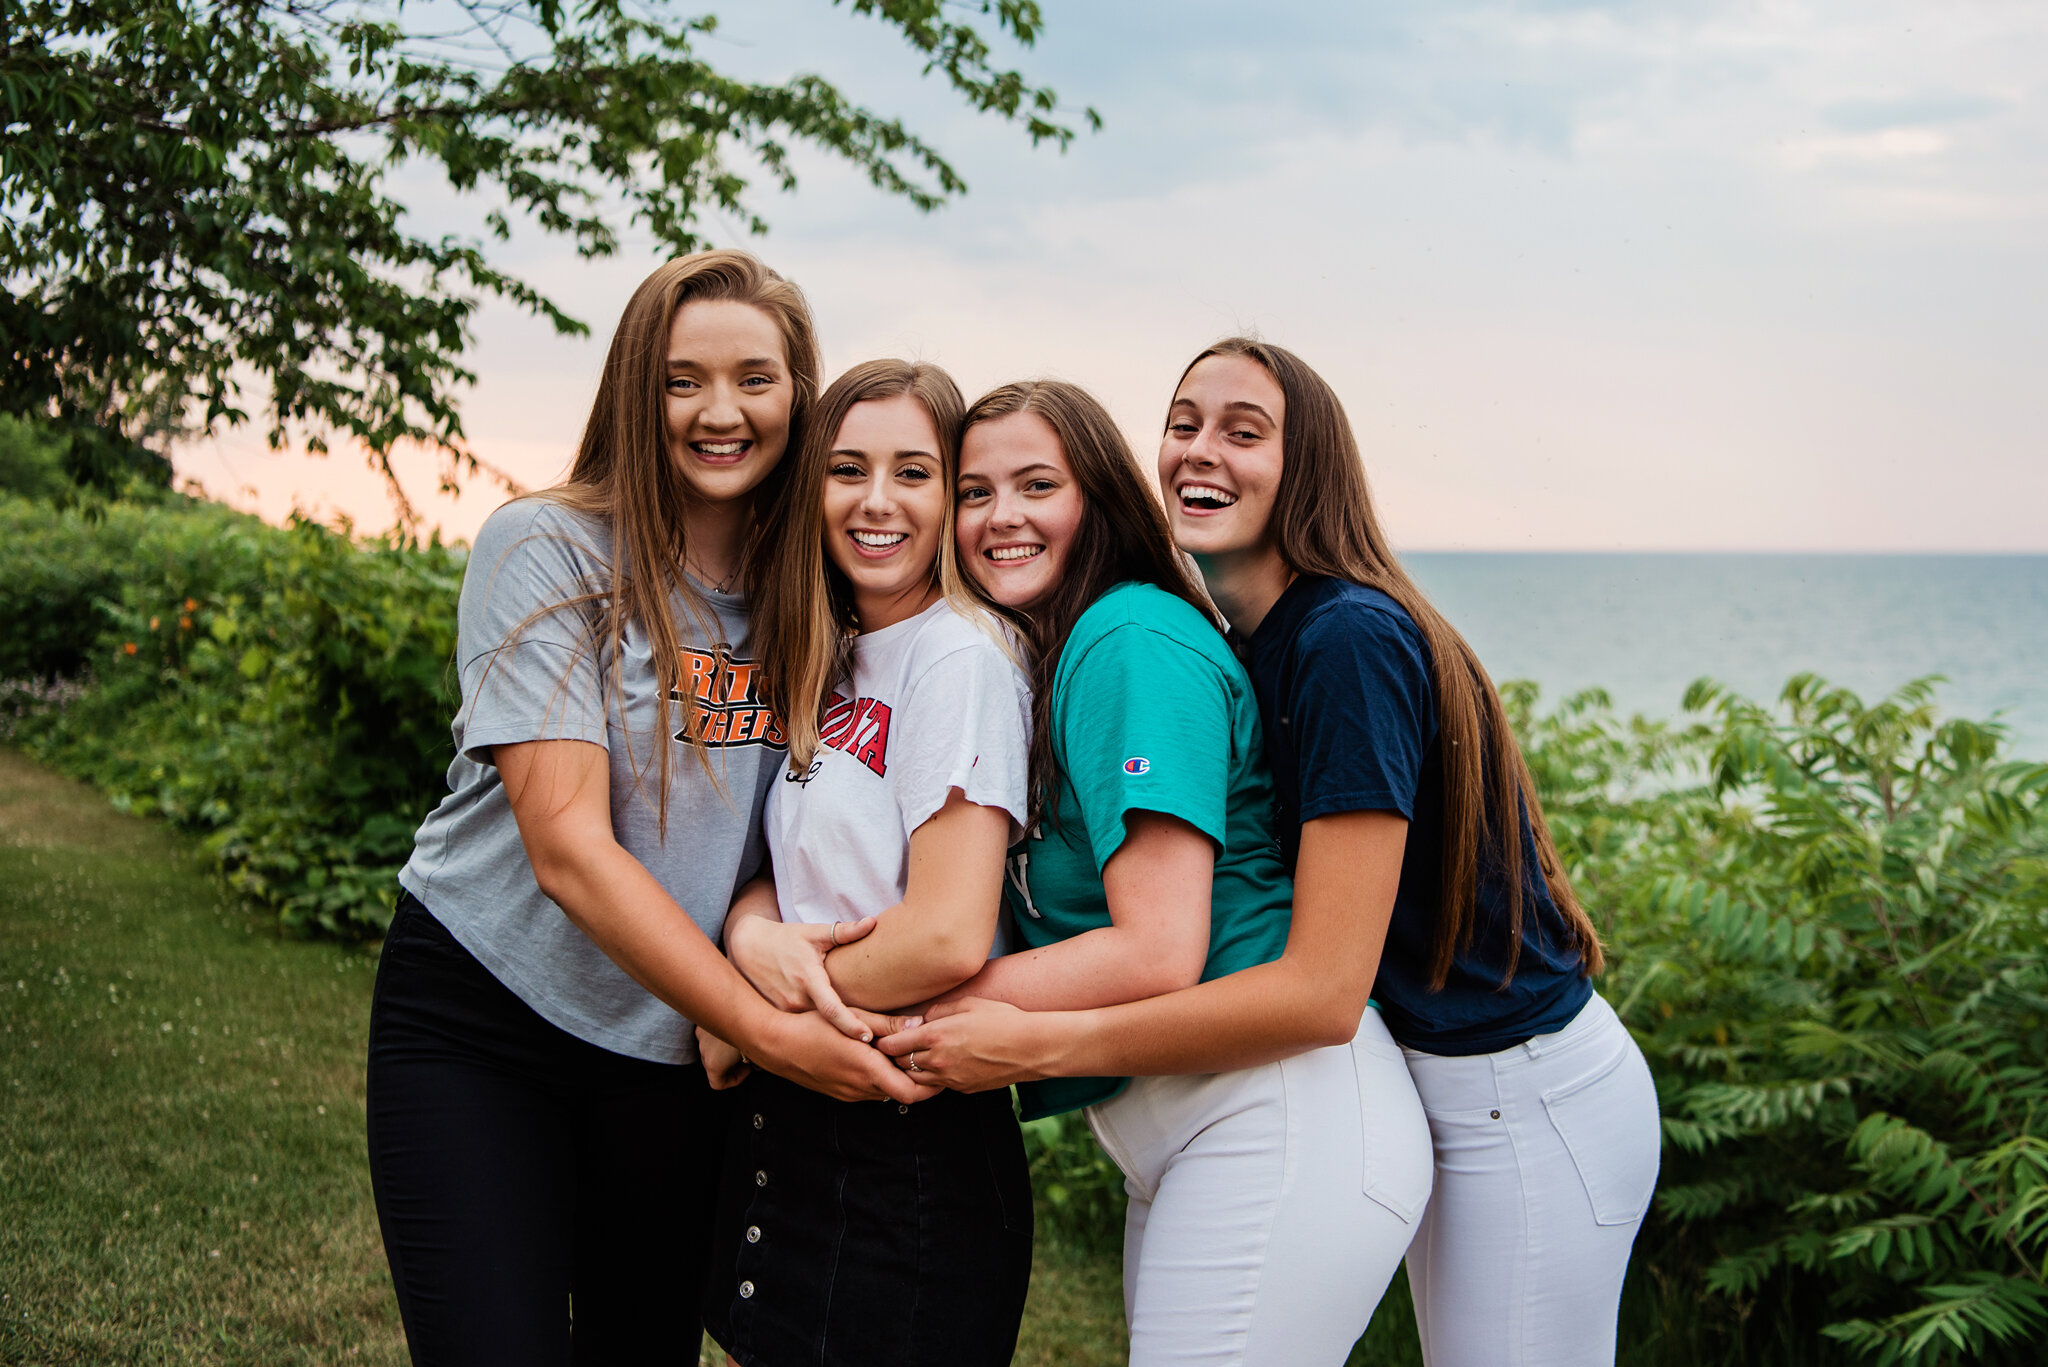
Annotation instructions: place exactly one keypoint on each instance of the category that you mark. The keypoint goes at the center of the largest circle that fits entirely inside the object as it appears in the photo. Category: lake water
(1644, 626)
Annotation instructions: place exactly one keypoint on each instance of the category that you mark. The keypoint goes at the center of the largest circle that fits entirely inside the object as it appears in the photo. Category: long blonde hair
(1323, 523)
(803, 620)
(625, 475)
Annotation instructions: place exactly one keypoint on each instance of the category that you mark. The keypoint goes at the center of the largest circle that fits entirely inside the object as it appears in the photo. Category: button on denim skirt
(870, 1234)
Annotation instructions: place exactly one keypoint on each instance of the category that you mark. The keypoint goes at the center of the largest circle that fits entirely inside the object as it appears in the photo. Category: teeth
(1014, 552)
(1206, 493)
(721, 448)
(880, 539)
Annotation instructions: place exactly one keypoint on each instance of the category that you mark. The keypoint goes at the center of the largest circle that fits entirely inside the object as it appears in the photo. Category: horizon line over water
(1644, 624)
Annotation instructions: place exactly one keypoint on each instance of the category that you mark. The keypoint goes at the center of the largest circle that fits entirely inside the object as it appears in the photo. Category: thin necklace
(739, 561)
(717, 585)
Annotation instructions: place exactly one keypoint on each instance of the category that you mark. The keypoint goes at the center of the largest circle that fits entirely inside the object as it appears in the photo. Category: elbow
(1332, 1018)
(1326, 1029)
(945, 975)
(1324, 1008)
(1178, 967)
(555, 872)
(951, 960)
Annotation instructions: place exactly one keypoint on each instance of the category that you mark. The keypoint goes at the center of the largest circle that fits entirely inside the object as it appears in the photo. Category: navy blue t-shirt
(1349, 705)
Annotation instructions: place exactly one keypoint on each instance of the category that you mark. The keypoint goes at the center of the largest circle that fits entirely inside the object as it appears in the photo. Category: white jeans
(1270, 1206)
(1546, 1156)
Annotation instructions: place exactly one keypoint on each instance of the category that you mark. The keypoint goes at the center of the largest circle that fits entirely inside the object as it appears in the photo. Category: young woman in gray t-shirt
(538, 1128)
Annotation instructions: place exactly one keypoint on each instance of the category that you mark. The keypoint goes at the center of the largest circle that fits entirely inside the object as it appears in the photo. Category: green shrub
(1078, 1189)
(284, 689)
(32, 461)
(58, 575)
(1828, 924)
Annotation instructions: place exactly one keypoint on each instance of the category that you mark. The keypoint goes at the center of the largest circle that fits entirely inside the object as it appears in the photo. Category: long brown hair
(1323, 524)
(626, 477)
(803, 614)
(1123, 537)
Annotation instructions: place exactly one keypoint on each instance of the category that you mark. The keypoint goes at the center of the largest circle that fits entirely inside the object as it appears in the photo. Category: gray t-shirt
(532, 669)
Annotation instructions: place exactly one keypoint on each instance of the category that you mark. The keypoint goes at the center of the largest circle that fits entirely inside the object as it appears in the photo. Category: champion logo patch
(1137, 764)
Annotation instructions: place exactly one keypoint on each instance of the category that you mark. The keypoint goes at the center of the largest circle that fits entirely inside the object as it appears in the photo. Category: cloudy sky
(1587, 276)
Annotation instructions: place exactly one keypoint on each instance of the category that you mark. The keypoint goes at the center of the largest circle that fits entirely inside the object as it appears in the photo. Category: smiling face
(728, 397)
(885, 501)
(1220, 458)
(1018, 510)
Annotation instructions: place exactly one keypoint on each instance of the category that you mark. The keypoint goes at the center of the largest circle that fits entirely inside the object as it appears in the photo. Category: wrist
(756, 1026)
(1057, 1043)
(737, 928)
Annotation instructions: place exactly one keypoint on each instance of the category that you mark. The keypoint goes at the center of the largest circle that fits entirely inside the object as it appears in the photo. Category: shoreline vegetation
(1826, 918)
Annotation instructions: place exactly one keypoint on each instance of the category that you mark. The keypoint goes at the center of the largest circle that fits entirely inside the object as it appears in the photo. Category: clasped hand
(785, 963)
(970, 1044)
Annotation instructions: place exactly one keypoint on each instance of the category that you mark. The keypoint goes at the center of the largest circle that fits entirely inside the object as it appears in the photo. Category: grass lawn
(181, 1150)
(182, 1172)
(181, 1118)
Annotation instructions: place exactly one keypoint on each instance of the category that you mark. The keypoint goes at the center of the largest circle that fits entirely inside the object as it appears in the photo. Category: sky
(1645, 276)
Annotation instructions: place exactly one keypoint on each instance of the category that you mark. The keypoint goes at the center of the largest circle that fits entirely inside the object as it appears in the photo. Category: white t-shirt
(934, 704)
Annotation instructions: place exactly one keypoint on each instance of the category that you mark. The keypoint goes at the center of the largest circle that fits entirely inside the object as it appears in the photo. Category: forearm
(911, 956)
(1096, 968)
(940, 934)
(1156, 886)
(559, 795)
(1311, 996)
(756, 899)
(611, 897)
(1271, 1011)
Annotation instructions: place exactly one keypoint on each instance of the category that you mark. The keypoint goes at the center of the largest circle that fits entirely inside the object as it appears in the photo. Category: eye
(757, 382)
(1182, 429)
(915, 473)
(681, 383)
(846, 469)
(1041, 486)
(973, 494)
(1246, 434)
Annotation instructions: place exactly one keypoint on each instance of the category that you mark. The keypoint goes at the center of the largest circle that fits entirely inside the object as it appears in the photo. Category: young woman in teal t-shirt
(1269, 1204)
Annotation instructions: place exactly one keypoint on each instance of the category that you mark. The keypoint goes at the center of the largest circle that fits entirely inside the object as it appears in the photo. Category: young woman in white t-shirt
(875, 1232)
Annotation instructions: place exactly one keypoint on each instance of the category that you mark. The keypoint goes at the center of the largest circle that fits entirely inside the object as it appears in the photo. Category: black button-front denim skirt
(870, 1234)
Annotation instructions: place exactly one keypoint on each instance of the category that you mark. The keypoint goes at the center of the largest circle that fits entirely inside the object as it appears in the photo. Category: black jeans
(542, 1200)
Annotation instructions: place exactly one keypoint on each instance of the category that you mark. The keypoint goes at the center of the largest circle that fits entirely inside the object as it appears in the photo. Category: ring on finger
(835, 932)
(912, 1057)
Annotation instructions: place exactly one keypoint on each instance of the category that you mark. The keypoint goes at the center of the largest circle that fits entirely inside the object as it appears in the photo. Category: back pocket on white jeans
(1608, 1121)
(1400, 1165)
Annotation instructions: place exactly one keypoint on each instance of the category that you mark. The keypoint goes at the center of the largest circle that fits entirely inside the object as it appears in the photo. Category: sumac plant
(1830, 947)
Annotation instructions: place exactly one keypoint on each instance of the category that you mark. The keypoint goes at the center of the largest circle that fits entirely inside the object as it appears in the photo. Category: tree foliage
(195, 190)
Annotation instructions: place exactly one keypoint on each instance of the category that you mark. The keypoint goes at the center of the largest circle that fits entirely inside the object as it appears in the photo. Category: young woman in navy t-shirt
(1398, 782)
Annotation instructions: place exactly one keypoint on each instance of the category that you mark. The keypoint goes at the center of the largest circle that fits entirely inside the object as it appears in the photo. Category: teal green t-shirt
(1150, 712)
